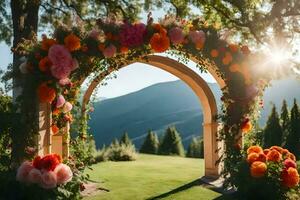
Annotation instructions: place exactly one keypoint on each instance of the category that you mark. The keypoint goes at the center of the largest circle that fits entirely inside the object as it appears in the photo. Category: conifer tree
(171, 143)
(284, 120)
(125, 139)
(196, 148)
(293, 137)
(272, 132)
(150, 144)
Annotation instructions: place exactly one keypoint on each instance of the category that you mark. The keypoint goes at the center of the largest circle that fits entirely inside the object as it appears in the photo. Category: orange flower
(254, 149)
(124, 49)
(159, 43)
(290, 177)
(285, 151)
(266, 151)
(291, 156)
(72, 42)
(234, 48)
(277, 148)
(45, 64)
(199, 45)
(252, 157)
(214, 53)
(227, 59)
(234, 67)
(258, 169)
(56, 111)
(246, 127)
(47, 43)
(245, 50)
(46, 94)
(54, 129)
(274, 156)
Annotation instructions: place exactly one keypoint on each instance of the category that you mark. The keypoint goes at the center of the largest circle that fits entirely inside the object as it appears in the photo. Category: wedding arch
(57, 66)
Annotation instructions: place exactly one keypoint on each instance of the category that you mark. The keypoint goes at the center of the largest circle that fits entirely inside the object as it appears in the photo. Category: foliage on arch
(56, 66)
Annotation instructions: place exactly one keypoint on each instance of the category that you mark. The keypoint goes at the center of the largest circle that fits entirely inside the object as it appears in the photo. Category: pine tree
(150, 144)
(196, 148)
(293, 137)
(171, 143)
(273, 132)
(284, 120)
(125, 139)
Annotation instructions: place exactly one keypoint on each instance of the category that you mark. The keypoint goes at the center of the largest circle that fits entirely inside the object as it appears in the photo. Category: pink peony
(23, 171)
(289, 163)
(49, 180)
(67, 107)
(176, 35)
(62, 61)
(197, 36)
(109, 51)
(35, 176)
(132, 35)
(60, 101)
(64, 81)
(63, 173)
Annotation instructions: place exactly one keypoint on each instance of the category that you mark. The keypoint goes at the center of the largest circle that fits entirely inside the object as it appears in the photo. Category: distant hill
(165, 104)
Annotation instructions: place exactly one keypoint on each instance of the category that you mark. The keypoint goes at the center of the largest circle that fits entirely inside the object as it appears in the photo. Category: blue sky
(129, 79)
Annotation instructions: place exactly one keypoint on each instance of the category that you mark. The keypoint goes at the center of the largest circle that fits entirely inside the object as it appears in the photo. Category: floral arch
(57, 66)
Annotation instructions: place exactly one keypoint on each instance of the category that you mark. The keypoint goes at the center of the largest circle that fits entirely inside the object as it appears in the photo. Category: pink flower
(176, 35)
(63, 173)
(60, 101)
(64, 81)
(197, 36)
(94, 34)
(23, 171)
(48, 180)
(67, 107)
(109, 51)
(132, 35)
(62, 61)
(35, 176)
(289, 163)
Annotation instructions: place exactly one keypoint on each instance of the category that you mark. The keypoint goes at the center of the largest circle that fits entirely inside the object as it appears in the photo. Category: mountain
(154, 107)
(169, 103)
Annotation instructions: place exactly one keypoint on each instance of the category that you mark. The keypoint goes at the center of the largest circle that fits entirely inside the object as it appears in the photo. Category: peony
(252, 157)
(46, 94)
(176, 35)
(274, 156)
(159, 42)
(72, 42)
(109, 51)
(67, 107)
(63, 173)
(132, 35)
(23, 171)
(290, 177)
(289, 163)
(36, 162)
(258, 169)
(254, 149)
(62, 61)
(35, 176)
(60, 101)
(48, 180)
(49, 162)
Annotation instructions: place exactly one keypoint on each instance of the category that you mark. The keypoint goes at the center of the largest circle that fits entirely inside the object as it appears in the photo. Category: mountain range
(170, 103)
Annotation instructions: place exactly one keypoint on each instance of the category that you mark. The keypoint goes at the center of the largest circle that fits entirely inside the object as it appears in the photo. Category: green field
(163, 177)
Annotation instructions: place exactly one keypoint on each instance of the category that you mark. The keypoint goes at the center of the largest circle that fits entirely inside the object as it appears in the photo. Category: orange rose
(277, 148)
(254, 149)
(258, 169)
(274, 156)
(72, 42)
(252, 157)
(290, 177)
(47, 43)
(266, 151)
(246, 127)
(214, 53)
(124, 49)
(159, 43)
(54, 129)
(291, 156)
(45, 64)
(46, 94)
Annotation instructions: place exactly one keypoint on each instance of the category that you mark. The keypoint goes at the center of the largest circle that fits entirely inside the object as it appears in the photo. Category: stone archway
(204, 94)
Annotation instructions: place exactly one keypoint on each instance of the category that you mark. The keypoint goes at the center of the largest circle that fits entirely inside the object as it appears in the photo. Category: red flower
(50, 161)
(37, 162)
(290, 177)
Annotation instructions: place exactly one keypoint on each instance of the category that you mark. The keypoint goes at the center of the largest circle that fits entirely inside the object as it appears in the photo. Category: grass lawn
(151, 176)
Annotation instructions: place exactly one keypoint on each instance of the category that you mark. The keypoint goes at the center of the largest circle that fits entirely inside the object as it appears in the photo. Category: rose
(35, 176)
(48, 180)
(109, 51)
(176, 35)
(63, 173)
(60, 101)
(23, 171)
(67, 107)
(49, 162)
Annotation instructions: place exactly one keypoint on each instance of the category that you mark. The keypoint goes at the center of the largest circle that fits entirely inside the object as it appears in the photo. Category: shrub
(121, 152)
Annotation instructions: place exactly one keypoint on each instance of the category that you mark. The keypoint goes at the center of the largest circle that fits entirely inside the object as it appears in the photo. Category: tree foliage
(150, 144)
(284, 119)
(196, 148)
(125, 139)
(171, 143)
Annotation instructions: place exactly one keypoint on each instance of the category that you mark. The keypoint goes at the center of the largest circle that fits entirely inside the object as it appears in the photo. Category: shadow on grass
(197, 182)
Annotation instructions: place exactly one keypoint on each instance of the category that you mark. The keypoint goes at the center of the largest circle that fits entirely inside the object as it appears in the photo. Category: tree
(150, 144)
(171, 143)
(196, 148)
(125, 139)
(293, 138)
(272, 132)
(284, 119)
